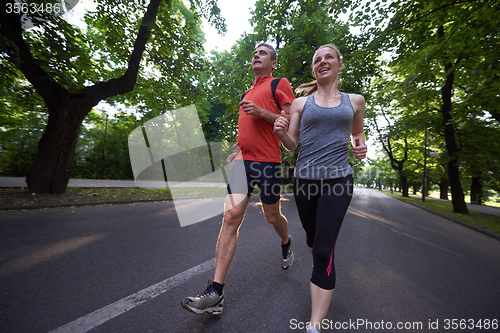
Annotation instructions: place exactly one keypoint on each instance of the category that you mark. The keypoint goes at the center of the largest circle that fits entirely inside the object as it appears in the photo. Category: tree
(22, 119)
(475, 140)
(299, 27)
(438, 44)
(229, 76)
(102, 151)
(73, 72)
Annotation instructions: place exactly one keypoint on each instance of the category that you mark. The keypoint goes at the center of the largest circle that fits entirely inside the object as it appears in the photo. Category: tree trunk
(476, 190)
(52, 165)
(414, 187)
(443, 188)
(51, 168)
(404, 186)
(457, 194)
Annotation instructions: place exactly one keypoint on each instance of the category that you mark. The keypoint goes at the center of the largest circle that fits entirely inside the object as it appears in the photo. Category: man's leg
(279, 222)
(212, 299)
(234, 212)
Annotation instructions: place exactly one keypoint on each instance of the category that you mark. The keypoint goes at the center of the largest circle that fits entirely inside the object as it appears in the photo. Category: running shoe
(207, 302)
(312, 329)
(287, 255)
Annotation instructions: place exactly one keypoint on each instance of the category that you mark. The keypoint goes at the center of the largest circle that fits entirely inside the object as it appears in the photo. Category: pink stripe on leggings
(329, 268)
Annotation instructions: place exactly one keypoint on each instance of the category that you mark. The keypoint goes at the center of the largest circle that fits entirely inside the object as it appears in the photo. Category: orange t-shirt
(256, 137)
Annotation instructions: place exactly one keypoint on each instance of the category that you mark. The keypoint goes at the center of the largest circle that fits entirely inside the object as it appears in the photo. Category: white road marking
(99, 317)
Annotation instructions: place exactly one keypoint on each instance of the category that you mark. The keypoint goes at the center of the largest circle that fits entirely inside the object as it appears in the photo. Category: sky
(236, 13)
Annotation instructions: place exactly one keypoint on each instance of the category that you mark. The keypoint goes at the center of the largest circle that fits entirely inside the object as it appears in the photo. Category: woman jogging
(324, 119)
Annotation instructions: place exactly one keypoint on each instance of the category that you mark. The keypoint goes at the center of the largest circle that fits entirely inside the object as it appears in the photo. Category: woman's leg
(320, 303)
(306, 193)
(331, 209)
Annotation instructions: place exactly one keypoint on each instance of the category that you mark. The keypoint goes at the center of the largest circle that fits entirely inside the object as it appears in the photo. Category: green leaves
(436, 43)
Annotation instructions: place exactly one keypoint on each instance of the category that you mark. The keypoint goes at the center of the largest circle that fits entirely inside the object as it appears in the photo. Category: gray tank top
(324, 140)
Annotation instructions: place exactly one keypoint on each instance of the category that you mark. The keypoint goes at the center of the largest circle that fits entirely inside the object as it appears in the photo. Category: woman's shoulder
(356, 98)
(298, 104)
(300, 101)
(358, 102)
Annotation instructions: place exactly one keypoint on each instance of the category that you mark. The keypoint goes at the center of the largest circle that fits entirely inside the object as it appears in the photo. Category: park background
(73, 91)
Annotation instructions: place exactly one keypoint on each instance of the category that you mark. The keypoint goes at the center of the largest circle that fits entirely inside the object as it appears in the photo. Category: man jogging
(258, 160)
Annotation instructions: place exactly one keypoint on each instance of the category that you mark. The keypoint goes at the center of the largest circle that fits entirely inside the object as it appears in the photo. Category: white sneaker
(287, 255)
(207, 302)
(312, 329)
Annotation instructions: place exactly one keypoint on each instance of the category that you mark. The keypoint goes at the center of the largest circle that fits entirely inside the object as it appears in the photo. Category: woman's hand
(359, 149)
(281, 125)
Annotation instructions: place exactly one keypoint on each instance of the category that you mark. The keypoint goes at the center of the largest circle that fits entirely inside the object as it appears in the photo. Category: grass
(487, 221)
(21, 196)
(467, 199)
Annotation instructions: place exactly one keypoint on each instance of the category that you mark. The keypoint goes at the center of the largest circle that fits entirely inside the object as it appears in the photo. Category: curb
(95, 203)
(463, 223)
(80, 204)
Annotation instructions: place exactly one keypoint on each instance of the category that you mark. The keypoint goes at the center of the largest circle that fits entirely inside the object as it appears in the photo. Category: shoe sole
(214, 310)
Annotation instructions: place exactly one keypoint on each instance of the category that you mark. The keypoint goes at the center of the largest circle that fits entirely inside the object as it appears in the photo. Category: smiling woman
(324, 120)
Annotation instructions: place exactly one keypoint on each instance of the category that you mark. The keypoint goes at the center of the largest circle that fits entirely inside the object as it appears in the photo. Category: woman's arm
(288, 131)
(359, 148)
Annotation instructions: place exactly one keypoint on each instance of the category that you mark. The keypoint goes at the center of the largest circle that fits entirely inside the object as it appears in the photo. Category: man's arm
(252, 109)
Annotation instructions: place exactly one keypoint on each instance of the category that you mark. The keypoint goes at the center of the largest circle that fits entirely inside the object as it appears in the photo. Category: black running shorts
(245, 175)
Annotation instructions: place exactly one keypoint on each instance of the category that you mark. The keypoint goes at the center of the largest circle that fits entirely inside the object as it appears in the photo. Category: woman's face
(326, 64)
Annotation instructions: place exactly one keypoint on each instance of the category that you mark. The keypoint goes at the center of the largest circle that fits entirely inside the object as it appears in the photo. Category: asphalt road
(396, 265)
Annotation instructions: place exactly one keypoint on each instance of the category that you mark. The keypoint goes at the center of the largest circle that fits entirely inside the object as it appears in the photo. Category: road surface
(125, 268)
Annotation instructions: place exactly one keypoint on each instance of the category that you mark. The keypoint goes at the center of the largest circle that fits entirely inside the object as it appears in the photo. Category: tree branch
(20, 54)
(126, 82)
(406, 23)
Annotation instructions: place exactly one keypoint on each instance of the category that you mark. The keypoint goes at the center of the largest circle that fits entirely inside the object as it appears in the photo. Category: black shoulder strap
(274, 85)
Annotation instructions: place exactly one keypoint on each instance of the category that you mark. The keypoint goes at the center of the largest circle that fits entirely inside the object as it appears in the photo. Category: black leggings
(322, 205)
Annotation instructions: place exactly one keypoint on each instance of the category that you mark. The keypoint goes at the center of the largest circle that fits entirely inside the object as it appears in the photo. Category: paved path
(21, 182)
(125, 268)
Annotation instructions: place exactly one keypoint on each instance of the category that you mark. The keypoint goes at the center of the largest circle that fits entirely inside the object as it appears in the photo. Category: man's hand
(231, 157)
(359, 149)
(251, 109)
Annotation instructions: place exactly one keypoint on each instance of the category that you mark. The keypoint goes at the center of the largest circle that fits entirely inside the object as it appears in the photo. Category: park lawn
(467, 199)
(22, 197)
(487, 221)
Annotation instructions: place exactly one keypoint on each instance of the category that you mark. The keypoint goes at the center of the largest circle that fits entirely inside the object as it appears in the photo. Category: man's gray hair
(274, 55)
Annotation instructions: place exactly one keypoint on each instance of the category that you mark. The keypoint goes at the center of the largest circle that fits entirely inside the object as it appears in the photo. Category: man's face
(261, 62)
